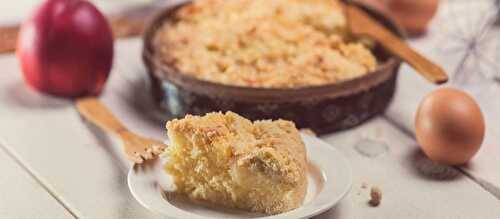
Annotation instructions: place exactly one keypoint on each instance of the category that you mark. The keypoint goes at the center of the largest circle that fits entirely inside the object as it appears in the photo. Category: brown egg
(449, 126)
(413, 15)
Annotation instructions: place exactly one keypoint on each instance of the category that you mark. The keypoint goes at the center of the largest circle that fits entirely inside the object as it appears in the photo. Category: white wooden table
(54, 165)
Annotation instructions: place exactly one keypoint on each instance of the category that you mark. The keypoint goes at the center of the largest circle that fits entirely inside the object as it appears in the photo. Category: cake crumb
(308, 131)
(375, 196)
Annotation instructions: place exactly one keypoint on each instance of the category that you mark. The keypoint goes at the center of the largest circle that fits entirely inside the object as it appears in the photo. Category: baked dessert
(264, 44)
(226, 160)
(324, 109)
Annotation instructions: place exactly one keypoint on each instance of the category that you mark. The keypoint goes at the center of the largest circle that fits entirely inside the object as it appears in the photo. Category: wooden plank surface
(442, 45)
(86, 169)
(21, 196)
(77, 163)
(411, 185)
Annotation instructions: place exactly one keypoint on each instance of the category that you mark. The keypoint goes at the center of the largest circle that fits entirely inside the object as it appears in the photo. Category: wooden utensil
(8, 37)
(360, 23)
(137, 148)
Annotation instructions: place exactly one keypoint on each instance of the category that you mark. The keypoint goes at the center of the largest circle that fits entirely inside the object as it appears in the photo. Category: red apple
(66, 48)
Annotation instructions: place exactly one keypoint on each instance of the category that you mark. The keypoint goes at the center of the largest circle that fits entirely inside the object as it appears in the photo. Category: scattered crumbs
(375, 196)
(364, 185)
(309, 132)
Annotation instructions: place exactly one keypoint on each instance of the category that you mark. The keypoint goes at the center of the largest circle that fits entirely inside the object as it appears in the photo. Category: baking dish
(323, 109)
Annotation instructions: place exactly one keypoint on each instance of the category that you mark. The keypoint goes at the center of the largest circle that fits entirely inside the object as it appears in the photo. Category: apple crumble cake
(263, 43)
(226, 160)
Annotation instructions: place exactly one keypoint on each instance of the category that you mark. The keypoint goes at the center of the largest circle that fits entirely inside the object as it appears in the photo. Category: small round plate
(329, 180)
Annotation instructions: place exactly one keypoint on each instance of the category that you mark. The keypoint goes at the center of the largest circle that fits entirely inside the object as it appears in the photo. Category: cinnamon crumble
(262, 43)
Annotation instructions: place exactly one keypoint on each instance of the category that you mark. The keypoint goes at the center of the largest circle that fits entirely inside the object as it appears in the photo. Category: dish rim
(163, 71)
(317, 143)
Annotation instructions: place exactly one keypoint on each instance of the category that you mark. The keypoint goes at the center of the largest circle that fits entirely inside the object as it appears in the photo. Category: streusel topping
(264, 43)
(228, 160)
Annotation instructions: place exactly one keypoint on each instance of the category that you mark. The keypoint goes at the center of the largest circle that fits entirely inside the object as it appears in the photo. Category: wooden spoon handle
(425, 67)
(362, 24)
(96, 112)
(8, 37)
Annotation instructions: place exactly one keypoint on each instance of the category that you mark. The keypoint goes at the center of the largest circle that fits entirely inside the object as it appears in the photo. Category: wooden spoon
(360, 23)
(137, 148)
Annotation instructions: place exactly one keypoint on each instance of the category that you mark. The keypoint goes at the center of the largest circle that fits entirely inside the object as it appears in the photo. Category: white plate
(329, 178)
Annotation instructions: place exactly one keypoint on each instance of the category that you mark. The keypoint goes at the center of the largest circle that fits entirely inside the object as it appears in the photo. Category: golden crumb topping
(230, 161)
(241, 137)
(264, 43)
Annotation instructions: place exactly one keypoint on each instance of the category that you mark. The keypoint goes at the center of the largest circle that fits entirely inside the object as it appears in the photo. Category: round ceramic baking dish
(323, 109)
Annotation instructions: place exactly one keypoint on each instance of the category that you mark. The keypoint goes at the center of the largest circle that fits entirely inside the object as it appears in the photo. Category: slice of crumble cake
(226, 160)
